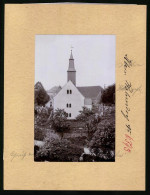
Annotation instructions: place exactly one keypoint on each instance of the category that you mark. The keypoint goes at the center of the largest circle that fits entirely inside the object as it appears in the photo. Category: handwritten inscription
(136, 89)
(128, 91)
(127, 63)
(21, 156)
(128, 143)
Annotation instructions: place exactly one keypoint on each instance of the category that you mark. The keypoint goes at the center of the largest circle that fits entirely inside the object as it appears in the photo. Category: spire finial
(71, 56)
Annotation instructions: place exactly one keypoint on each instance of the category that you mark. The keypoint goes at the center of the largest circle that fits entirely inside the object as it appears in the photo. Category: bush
(108, 95)
(90, 120)
(84, 114)
(103, 141)
(41, 115)
(57, 150)
(39, 133)
(58, 121)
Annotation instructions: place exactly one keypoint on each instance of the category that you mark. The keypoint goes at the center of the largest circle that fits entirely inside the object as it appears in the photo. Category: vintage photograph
(74, 98)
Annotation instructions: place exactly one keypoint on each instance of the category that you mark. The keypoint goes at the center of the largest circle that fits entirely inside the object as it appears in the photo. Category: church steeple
(71, 70)
(71, 56)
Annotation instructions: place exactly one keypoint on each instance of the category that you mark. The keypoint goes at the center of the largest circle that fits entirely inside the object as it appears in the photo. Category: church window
(67, 91)
(70, 105)
(69, 114)
(67, 105)
(70, 91)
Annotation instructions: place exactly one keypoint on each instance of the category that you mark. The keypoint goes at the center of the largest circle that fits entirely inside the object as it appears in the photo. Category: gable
(69, 86)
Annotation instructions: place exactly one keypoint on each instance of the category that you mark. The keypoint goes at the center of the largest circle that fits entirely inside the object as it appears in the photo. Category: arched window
(67, 105)
(67, 91)
(70, 91)
(70, 105)
(69, 114)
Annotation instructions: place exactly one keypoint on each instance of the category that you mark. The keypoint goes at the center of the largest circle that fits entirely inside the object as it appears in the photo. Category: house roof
(54, 89)
(90, 91)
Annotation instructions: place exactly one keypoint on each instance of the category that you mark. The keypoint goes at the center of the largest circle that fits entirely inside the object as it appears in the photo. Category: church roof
(90, 91)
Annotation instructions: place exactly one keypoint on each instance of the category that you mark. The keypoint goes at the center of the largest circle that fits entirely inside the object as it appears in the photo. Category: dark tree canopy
(108, 95)
(84, 114)
(40, 95)
(59, 121)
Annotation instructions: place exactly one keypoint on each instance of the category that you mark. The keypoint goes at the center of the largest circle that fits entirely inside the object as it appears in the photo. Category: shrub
(103, 141)
(59, 121)
(39, 133)
(41, 115)
(84, 114)
(90, 120)
(58, 151)
(108, 95)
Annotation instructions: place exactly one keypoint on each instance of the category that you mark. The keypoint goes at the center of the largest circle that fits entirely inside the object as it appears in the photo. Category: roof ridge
(90, 86)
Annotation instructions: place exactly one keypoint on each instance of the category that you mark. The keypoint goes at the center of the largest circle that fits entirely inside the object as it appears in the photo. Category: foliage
(39, 133)
(41, 115)
(59, 121)
(108, 95)
(84, 114)
(58, 150)
(90, 120)
(40, 95)
(103, 141)
(87, 157)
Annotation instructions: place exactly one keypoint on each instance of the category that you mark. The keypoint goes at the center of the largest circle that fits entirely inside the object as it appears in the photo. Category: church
(72, 98)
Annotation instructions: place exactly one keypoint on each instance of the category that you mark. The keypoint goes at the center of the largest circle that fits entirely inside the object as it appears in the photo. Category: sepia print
(74, 98)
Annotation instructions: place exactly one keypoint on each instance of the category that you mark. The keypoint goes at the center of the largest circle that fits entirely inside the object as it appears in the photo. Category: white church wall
(76, 99)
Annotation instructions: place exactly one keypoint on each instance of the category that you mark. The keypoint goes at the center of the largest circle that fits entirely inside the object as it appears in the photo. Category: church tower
(71, 70)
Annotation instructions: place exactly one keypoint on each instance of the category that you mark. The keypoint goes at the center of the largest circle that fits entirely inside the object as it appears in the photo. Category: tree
(103, 140)
(42, 115)
(59, 121)
(90, 120)
(108, 95)
(56, 150)
(84, 114)
(40, 95)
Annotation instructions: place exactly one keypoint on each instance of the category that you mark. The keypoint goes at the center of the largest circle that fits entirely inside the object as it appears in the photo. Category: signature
(137, 89)
(128, 63)
(129, 91)
(21, 156)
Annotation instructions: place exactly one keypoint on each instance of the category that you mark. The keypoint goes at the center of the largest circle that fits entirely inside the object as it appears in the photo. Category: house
(72, 98)
(52, 92)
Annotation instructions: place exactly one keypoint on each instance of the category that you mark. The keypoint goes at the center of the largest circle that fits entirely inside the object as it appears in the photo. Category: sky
(94, 59)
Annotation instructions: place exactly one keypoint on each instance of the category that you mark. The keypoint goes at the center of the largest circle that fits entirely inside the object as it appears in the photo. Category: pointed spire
(71, 63)
(71, 56)
(71, 73)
